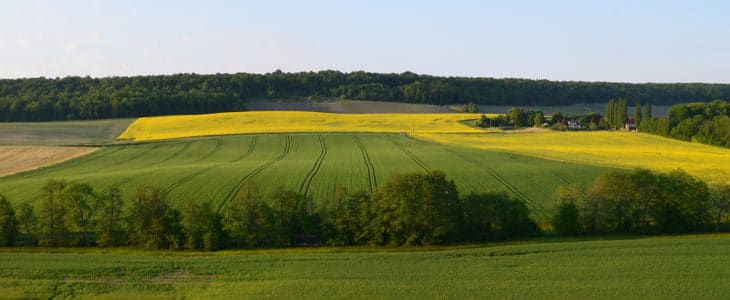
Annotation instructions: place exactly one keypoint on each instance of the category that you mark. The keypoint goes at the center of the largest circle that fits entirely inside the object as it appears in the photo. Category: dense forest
(79, 98)
(408, 210)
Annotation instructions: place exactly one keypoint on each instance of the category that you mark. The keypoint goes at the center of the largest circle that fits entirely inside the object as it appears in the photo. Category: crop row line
(304, 188)
(372, 179)
(232, 193)
(413, 157)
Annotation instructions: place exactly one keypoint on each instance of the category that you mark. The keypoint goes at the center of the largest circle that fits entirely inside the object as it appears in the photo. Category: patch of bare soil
(16, 159)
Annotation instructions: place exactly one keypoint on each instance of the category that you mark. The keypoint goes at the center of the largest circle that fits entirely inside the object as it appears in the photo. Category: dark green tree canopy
(77, 98)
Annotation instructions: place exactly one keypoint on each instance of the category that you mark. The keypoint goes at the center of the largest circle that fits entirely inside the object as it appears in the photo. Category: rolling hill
(211, 169)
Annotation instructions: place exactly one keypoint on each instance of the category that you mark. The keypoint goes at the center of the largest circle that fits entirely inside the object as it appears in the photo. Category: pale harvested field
(16, 159)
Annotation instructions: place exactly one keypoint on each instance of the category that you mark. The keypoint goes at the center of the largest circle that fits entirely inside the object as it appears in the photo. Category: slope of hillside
(211, 169)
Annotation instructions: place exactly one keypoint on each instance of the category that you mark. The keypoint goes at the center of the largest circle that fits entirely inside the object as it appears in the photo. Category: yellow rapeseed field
(170, 127)
(615, 149)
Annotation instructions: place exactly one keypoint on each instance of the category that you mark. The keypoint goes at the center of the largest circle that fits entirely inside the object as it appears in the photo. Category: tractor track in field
(568, 181)
(218, 147)
(304, 188)
(528, 199)
(177, 153)
(171, 187)
(372, 179)
(413, 157)
(466, 181)
(251, 148)
(167, 190)
(232, 193)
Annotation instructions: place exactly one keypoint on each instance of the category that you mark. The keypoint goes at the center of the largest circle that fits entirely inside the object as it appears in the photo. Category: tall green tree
(27, 223)
(566, 220)
(53, 214)
(539, 119)
(611, 113)
(684, 204)
(517, 117)
(345, 215)
(248, 219)
(153, 223)
(81, 203)
(415, 209)
(721, 197)
(648, 113)
(8, 223)
(637, 115)
(110, 219)
(622, 114)
(201, 227)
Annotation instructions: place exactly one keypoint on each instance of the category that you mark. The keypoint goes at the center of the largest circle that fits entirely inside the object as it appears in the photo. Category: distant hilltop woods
(79, 98)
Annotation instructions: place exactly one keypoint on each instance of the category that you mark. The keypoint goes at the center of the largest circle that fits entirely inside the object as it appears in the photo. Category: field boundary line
(69, 163)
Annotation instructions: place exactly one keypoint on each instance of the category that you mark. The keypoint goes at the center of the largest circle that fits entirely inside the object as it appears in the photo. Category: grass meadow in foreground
(604, 148)
(171, 127)
(685, 267)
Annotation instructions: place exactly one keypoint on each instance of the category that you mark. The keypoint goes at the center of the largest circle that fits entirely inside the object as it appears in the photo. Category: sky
(625, 41)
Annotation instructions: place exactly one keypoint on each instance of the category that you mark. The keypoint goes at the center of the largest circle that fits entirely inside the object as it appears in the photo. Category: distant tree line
(80, 98)
(410, 209)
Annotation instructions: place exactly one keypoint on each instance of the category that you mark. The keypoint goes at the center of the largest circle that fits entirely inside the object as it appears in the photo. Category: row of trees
(43, 99)
(410, 209)
(707, 123)
(642, 202)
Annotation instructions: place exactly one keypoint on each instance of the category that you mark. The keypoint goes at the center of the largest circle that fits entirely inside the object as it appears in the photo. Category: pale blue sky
(630, 41)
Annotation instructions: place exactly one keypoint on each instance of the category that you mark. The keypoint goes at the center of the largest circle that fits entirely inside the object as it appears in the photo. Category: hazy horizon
(620, 41)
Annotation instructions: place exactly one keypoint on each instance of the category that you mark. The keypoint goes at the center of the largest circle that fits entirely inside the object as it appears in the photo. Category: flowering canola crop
(605, 148)
(171, 127)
